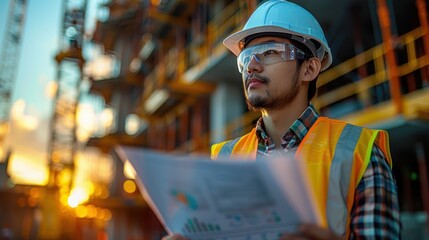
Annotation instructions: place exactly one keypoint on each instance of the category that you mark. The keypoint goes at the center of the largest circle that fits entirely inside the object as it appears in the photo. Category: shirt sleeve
(375, 213)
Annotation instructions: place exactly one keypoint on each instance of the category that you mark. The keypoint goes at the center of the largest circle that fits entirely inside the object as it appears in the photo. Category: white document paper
(224, 199)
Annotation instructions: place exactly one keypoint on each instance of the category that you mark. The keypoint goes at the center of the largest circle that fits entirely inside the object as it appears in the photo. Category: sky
(29, 136)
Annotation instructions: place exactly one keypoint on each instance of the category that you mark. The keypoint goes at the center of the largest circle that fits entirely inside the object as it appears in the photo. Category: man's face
(270, 86)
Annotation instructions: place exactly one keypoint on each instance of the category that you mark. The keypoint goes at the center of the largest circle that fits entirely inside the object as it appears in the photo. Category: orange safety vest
(336, 155)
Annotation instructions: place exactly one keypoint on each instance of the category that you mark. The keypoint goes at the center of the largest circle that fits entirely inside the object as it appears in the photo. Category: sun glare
(77, 196)
(27, 171)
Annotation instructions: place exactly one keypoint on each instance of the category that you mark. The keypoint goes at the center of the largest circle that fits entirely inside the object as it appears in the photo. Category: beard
(273, 99)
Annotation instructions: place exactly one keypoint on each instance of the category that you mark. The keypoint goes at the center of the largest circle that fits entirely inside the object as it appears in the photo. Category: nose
(254, 64)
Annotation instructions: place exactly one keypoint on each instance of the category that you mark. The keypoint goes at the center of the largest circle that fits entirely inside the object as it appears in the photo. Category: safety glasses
(268, 53)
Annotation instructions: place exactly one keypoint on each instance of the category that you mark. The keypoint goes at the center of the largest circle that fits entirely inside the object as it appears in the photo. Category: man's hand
(174, 237)
(312, 232)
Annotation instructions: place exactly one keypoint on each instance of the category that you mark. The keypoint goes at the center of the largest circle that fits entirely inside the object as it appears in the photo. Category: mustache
(258, 77)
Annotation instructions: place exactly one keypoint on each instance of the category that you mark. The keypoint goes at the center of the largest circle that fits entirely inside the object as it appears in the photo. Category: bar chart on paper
(193, 225)
(197, 229)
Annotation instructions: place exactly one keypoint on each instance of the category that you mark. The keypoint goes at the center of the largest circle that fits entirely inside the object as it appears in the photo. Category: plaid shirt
(375, 212)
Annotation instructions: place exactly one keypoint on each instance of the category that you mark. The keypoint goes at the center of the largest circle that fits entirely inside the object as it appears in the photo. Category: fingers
(316, 232)
(312, 232)
(289, 236)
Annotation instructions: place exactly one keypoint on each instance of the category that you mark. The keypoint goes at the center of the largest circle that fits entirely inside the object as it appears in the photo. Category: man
(280, 52)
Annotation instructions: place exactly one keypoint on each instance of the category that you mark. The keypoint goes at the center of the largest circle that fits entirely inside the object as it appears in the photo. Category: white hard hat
(280, 17)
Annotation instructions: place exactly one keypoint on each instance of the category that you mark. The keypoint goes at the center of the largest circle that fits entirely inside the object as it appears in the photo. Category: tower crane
(69, 74)
(10, 58)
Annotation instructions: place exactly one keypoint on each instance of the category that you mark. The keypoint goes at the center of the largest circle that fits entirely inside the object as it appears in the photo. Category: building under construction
(170, 85)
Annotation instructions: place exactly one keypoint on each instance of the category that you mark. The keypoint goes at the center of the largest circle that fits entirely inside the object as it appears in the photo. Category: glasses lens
(268, 53)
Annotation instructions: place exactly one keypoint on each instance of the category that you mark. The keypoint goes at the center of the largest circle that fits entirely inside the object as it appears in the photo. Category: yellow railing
(373, 56)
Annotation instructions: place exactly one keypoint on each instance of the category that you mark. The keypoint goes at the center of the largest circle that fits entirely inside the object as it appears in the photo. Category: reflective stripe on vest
(336, 154)
(337, 213)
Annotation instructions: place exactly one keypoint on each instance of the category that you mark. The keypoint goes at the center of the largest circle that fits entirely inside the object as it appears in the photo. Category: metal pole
(421, 8)
(392, 69)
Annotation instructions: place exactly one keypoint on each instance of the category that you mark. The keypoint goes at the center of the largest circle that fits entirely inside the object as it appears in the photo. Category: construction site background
(154, 74)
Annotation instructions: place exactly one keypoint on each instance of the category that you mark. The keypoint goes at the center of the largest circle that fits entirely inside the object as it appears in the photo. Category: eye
(270, 52)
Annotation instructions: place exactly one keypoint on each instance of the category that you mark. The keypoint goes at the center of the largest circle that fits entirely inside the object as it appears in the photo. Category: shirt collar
(299, 127)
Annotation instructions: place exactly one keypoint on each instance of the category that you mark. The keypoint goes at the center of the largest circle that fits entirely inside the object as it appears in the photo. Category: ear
(310, 69)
